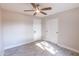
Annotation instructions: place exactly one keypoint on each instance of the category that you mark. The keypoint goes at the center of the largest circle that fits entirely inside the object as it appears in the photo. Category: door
(52, 30)
(36, 29)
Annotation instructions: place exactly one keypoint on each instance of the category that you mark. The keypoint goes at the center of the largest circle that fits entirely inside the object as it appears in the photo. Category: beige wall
(68, 27)
(17, 28)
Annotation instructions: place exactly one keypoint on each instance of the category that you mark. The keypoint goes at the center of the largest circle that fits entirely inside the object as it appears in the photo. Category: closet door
(36, 29)
(51, 30)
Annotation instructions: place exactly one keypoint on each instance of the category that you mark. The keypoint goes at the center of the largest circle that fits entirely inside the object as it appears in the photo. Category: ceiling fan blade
(35, 13)
(43, 13)
(33, 5)
(47, 8)
(37, 5)
(28, 10)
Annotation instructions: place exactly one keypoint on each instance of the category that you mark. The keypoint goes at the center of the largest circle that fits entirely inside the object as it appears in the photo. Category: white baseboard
(72, 49)
(12, 46)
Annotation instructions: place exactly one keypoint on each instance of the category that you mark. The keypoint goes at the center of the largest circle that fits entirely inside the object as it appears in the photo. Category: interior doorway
(36, 29)
(51, 30)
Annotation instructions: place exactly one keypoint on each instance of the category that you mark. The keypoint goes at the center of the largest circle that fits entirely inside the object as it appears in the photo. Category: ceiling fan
(36, 9)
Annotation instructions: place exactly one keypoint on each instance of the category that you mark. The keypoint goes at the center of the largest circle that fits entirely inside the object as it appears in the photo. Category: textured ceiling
(56, 7)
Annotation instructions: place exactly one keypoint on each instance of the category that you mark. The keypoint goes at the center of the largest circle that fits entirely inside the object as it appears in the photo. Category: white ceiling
(56, 7)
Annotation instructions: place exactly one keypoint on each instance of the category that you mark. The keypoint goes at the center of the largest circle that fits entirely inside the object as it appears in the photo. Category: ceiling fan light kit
(38, 10)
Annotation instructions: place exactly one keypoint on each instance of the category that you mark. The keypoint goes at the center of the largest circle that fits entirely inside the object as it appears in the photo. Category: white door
(52, 30)
(37, 29)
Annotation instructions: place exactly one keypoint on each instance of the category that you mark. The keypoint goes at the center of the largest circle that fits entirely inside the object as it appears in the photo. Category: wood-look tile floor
(39, 48)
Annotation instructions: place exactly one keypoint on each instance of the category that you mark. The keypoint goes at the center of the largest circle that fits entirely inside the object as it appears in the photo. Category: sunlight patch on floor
(46, 46)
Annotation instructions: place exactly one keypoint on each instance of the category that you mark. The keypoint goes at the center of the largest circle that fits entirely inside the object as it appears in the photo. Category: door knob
(57, 32)
(46, 31)
(34, 31)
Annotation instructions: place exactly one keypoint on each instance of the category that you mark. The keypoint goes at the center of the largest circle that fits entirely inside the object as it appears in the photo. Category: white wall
(17, 29)
(1, 41)
(68, 27)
